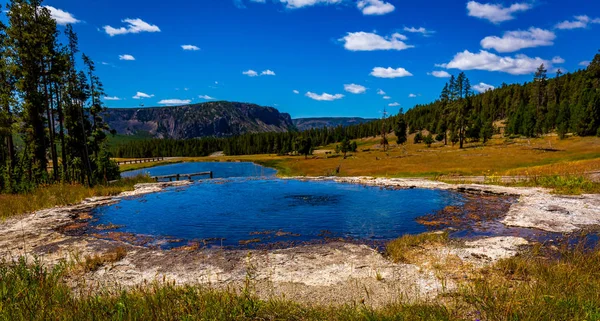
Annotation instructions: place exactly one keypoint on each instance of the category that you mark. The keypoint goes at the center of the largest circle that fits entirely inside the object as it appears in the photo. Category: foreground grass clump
(61, 194)
(31, 292)
(534, 287)
(400, 250)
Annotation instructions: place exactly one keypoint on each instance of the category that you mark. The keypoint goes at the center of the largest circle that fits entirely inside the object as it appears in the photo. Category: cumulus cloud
(267, 73)
(380, 92)
(250, 73)
(296, 4)
(515, 40)
(141, 95)
(495, 13)
(126, 57)
(412, 96)
(439, 74)
(112, 98)
(420, 30)
(206, 97)
(323, 96)
(387, 97)
(175, 101)
(390, 72)
(61, 17)
(374, 7)
(580, 22)
(354, 88)
(585, 63)
(394, 104)
(295, 91)
(484, 60)
(483, 87)
(366, 41)
(558, 60)
(133, 26)
(190, 47)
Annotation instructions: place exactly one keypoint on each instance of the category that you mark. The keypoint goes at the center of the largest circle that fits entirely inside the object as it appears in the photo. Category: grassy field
(500, 156)
(563, 284)
(60, 195)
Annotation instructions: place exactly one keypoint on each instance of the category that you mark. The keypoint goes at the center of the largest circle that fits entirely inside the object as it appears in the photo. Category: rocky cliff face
(218, 119)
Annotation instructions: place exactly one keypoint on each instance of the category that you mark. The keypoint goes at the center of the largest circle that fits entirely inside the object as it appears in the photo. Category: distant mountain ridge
(217, 119)
(320, 122)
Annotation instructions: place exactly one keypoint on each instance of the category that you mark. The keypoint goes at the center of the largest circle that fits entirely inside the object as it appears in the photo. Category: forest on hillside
(566, 103)
(51, 129)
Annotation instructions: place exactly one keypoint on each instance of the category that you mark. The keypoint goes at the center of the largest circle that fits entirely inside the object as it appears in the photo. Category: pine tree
(400, 129)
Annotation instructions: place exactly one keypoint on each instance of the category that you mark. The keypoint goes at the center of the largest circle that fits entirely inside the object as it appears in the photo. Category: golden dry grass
(500, 156)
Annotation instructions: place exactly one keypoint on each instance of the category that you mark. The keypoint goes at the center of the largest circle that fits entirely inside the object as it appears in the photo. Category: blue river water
(219, 169)
(247, 207)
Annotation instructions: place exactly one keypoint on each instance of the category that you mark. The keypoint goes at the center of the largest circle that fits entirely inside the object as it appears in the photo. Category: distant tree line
(301, 143)
(566, 103)
(50, 111)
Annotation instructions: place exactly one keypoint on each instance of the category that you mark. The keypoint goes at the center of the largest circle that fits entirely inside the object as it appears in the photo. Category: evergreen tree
(400, 129)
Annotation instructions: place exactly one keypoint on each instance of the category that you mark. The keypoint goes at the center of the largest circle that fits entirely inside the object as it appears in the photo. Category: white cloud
(420, 30)
(495, 13)
(250, 73)
(515, 40)
(365, 41)
(324, 96)
(295, 91)
(585, 63)
(395, 104)
(558, 60)
(190, 47)
(374, 7)
(175, 101)
(267, 73)
(126, 57)
(206, 97)
(141, 95)
(484, 60)
(354, 88)
(439, 74)
(483, 87)
(296, 4)
(62, 17)
(390, 72)
(380, 92)
(387, 97)
(133, 26)
(579, 22)
(412, 96)
(112, 98)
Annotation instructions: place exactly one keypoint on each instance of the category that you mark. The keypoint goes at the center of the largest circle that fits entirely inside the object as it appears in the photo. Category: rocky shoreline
(332, 273)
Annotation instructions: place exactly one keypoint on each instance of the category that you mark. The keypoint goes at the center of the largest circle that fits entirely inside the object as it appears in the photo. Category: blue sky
(323, 57)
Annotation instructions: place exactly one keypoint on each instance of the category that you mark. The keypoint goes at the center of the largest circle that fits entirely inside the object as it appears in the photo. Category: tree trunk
(61, 129)
(50, 115)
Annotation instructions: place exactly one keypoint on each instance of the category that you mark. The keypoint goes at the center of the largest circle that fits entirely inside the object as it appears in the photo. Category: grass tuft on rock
(399, 250)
